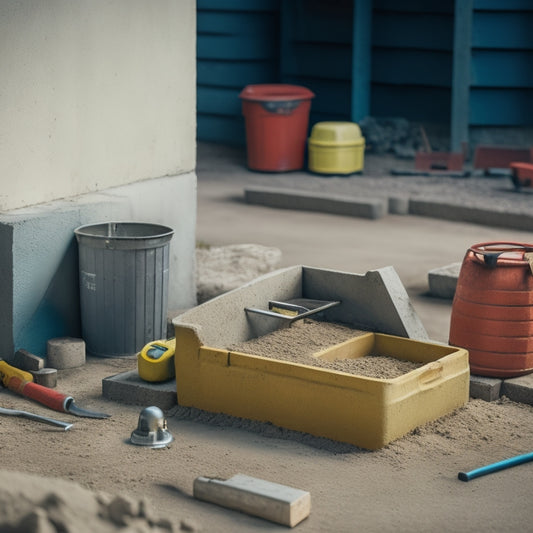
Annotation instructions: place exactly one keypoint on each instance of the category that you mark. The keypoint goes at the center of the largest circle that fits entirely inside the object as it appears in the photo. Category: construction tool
(31, 416)
(284, 314)
(155, 362)
(22, 383)
(151, 429)
(495, 467)
(275, 502)
(294, 309)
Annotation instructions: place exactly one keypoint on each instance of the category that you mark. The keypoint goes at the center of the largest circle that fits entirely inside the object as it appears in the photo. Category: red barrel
(277, 119)
(492, 310)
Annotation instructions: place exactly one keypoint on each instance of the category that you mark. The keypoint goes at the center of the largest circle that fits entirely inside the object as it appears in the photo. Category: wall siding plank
(411, 67)
(218, 100)
(419, 104)
(235, 74)
(222, 129)
(500, 107)
(237, 45)
(408, 30)
(503, 5)
(320, 61)
(510, 30)
(234, 23)
(497, 68)
(231, 47)
(238, 5)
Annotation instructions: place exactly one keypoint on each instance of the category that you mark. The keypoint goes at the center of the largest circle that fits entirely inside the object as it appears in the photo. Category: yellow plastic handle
(431, 373)
(7, 372)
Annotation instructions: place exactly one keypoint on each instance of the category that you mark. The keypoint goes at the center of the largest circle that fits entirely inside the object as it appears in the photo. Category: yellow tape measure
(155, 362)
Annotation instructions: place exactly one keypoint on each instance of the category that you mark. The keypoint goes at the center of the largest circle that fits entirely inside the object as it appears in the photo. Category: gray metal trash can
(123, 269)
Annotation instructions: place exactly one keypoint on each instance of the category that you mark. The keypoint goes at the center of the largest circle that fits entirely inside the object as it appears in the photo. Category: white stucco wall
(97, 122)
(94, 94)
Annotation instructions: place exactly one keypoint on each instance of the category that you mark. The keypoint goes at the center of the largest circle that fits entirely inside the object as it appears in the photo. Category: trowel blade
(73, 409)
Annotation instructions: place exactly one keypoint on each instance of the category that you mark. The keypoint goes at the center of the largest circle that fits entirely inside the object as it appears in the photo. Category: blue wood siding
(501, 63)
(412, 68)
(412, 59)
(316, 47)
(237, 45)
(412, 51)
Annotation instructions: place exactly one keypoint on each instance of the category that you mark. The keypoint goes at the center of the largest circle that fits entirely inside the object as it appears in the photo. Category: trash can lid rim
(153, 230)
(275, 92)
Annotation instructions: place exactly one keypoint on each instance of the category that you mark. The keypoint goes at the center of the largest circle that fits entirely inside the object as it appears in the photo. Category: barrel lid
(336, 133)
(275, 92)
(505, 253)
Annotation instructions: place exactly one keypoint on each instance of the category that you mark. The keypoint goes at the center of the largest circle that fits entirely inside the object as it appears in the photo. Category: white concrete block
(65, 352)
(272, 501)
(47, 377)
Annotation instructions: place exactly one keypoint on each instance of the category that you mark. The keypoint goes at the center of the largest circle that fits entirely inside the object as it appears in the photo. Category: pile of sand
(32, 504)
(306, 337)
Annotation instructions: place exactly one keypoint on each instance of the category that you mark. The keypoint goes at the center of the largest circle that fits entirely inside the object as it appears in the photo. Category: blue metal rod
(495, 467)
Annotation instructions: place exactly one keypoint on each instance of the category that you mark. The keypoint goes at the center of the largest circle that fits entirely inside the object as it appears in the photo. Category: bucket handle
(490, 259)
(281, 107)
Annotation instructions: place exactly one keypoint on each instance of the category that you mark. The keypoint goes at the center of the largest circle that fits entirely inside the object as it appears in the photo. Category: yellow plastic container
(336, 148)
(363, 411)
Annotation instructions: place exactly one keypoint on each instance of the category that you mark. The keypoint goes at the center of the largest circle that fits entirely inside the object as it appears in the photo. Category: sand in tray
(304, 338)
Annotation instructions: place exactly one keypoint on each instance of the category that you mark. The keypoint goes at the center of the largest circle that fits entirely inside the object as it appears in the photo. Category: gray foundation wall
(39, 264)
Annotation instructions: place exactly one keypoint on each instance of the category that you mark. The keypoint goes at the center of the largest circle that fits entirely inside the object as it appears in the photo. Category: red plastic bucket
(492, 310)
(276, 119)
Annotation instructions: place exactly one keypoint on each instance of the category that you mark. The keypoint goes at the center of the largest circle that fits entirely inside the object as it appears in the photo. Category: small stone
(27, 361)
(47, 377)
(122, 509)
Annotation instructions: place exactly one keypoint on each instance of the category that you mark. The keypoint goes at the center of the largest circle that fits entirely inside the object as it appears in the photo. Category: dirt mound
(34, 504)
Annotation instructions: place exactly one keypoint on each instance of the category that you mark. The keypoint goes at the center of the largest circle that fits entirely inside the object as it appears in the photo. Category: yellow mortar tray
(362, 411)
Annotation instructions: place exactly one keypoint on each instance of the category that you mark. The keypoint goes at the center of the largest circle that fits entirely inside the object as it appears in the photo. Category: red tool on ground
(21, 382)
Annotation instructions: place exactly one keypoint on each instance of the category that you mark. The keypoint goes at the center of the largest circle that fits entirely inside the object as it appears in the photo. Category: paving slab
(485, 388)
(519, 389)
(476, 215)
(283, 198)
(442, 281)
(128, 387)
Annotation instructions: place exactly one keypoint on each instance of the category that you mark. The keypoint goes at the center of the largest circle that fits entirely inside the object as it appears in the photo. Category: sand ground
(410, 485)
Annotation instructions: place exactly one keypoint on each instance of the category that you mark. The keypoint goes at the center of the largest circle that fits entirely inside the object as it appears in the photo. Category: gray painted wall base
(39, 264)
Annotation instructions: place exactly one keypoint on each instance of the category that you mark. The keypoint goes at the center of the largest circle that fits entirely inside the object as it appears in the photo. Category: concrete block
(442, 281)
(519, 389)
(272, 501)
(475, 215)
(27, 361)
(487, 389)
(129, 388)
(65, 352)
(376, 300)
(47, 377)
(311, 201)
(398, 205)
